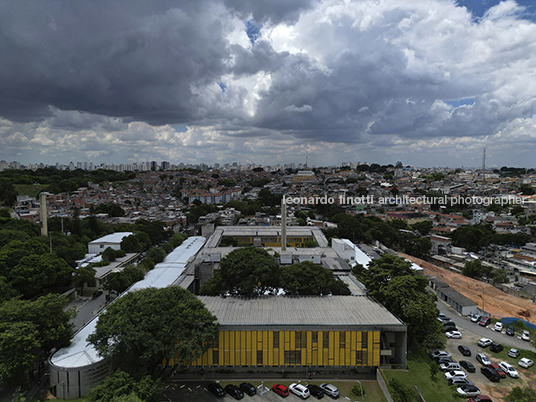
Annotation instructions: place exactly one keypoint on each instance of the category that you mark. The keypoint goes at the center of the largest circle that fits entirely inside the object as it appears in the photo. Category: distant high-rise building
(154, 166)
(165, 165)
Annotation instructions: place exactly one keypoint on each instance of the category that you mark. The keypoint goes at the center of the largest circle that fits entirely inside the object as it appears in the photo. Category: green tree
(29, 330)
(473, 269)
(518, 394)
(246, 271)
(401, 392)
(434, 369)
(84, 275)
(308, 278)
(120, 386)
(8, 194)
(149, 326)
(121, 281)
(157, 254)
(423, 227)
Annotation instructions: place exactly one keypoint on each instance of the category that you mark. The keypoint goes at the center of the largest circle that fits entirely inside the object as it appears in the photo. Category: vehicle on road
(300, 390)
(439, 353)
(454, 334)
(216, 389)
(468, 366)
(485, 321)
(499, 371)
(315, 391)
(490, 374)
(482, 359)
(525, 335)
(480, 398)
(234, 391)
(464, 350)
(509, 369)
(484, 342)
(513, 353)
(525, 363)
(455, 374)
(330, 390)
(476, 318)
(468, 390)
(248, 389)
(498, 326)
(280, 390)
(510, 331)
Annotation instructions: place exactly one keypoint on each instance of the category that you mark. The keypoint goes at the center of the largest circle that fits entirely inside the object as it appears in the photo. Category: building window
(300, 338)
(325, 339)
(292, 357)
(276, 340)
(315, 336)
(259, 357)
(364, 340)
(342, 340)
(215, 357)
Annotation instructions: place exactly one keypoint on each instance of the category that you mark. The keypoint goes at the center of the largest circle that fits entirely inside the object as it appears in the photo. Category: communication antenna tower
(484, 166)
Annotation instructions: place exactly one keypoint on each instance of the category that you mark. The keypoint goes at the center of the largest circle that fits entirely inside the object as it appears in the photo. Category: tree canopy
(146, 327)
(308, 278)
(120, 386)
(246, 271)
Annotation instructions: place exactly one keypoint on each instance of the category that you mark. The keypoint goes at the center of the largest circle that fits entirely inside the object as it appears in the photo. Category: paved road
(487, 332)
(86, 310)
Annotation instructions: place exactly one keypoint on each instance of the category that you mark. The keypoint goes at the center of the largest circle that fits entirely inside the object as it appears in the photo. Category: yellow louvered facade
(294, 348)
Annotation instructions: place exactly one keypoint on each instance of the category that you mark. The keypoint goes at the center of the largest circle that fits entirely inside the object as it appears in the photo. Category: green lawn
(418, 375)
(32, 190)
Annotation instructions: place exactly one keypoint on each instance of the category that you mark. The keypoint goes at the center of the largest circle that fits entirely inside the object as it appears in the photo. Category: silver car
(330, 389)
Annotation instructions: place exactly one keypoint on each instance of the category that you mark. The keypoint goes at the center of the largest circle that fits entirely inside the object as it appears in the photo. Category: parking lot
(196, 391)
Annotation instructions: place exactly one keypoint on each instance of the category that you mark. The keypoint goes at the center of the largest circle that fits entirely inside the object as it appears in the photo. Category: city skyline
(429, 83)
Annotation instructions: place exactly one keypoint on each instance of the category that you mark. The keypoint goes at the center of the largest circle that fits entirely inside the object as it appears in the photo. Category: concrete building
(112, 240)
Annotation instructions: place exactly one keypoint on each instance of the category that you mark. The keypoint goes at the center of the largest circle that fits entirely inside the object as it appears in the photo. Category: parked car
(496, 347)
(468, 390)
(460, 381)
(300, 390)
(464, 350)
(476, 318)
(455, 374)
(525, 336)
(513, 353)
(234, 391)
(499, 371)
(439, 353)
(510, 331)
(216, 389)
(480, 398)
(450, 327)
(482, 359)
(97, 293)
(484, 342)
(442, 314)
(450, 366)
(248, 389)
(485, 321)
(445, 360)
(454, 334)
(315, 391)
(498, 326)
(468, 366)
(490, 374)
(330, 390)
(509, 369)
(280, 390)
(525, 363)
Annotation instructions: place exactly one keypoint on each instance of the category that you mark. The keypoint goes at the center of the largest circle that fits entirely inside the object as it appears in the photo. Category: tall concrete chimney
(283, 226)
(43, 211)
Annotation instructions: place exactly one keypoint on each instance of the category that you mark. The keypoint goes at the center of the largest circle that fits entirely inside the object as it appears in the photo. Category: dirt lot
(497, 303)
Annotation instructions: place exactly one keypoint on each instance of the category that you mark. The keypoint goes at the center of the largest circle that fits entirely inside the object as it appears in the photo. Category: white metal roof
(112, 238)
(80, 353)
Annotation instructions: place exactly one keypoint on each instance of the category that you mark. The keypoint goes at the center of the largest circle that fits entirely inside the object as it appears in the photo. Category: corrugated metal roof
(299, 310)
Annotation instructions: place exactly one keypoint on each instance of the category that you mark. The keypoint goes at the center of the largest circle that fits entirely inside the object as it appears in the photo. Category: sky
(429, 83)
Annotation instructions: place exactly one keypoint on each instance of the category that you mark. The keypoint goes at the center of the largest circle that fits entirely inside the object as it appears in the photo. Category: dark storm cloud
(113, 58)
(274, 11)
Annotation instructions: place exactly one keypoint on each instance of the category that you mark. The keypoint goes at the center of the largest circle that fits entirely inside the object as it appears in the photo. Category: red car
(499, 371)
(480, 398)
(280, 390)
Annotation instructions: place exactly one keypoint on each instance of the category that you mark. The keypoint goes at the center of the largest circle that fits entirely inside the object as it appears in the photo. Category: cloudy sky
(425, 82)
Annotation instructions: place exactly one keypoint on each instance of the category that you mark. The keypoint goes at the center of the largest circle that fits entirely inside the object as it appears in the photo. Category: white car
(476, 318)
(454, 334)
(449, 366)
(455, 374)
(482, 359)
(509, 369)
(525, 335)
(468, 390)
(300, 390)
(498, 327)
(525, 363)
(484, 342)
